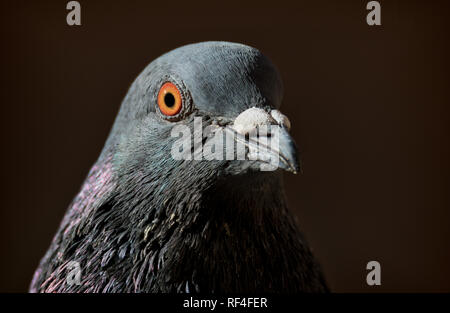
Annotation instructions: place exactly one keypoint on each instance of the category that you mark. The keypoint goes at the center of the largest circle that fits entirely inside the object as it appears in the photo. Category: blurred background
(368, 105)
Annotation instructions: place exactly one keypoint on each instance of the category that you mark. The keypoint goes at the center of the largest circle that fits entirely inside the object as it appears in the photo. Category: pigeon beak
(287, 152)
(273, 145)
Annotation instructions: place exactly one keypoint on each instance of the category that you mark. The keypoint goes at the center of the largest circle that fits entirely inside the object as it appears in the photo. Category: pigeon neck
(237, 231)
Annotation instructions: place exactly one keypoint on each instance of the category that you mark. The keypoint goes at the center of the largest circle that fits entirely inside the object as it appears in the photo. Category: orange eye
(169, 99)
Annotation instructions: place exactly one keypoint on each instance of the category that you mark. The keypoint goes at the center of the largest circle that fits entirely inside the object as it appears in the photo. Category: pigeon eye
(169, 99)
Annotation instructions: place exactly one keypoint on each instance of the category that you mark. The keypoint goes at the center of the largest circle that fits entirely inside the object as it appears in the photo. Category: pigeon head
(185, 196)
(204, 98)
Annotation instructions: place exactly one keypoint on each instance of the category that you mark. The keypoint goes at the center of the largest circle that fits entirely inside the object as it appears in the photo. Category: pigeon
(156, 214)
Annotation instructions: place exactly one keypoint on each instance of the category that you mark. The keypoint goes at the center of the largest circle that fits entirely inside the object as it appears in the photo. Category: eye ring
(170, 100)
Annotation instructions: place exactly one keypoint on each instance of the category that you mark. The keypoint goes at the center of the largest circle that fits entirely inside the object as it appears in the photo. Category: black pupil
(169, 100)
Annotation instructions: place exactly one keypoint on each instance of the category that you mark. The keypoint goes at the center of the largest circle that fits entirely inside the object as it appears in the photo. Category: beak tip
(295, 168)
(291, 165)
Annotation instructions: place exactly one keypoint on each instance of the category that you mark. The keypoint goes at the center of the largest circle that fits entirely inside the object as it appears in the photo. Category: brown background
(368, 107)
